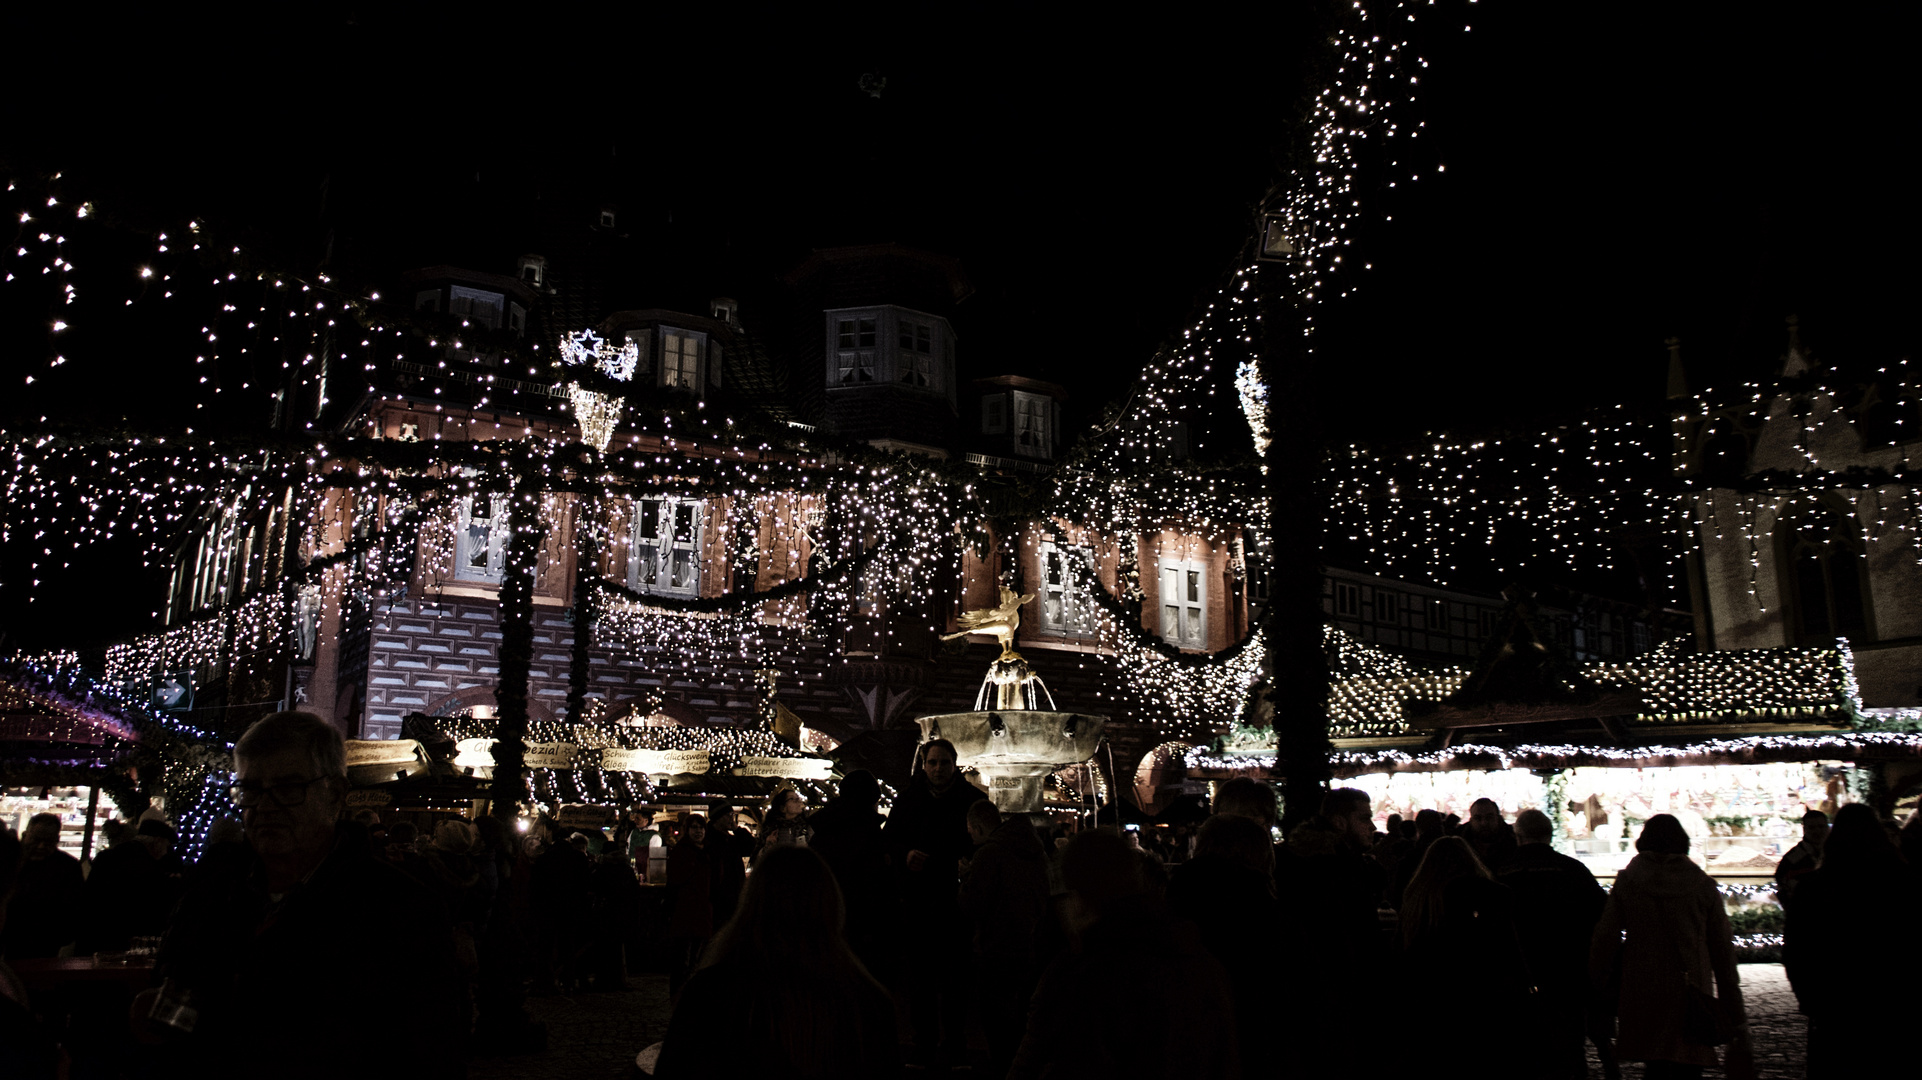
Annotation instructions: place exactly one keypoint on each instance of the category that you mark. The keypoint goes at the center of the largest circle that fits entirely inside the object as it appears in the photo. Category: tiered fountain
(1015, 738)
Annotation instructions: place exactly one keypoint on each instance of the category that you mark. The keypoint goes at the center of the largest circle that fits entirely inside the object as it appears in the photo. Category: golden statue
(1000, 621)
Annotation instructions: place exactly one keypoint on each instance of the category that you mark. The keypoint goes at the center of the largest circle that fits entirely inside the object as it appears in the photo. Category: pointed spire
(1797, 361)
(1677, 377)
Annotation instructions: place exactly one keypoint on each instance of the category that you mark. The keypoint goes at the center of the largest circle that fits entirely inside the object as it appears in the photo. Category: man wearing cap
(129, 893)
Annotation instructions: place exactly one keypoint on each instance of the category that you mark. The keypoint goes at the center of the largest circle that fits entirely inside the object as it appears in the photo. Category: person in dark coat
(780, 995)
(847, 833)
(46, 906)
(1803, 858)
(129, 892)
(1851, 949)
(1557, 902)
(265, 970)
(728, 848)
(926, 837)
(1178, 1020)
(27, 1049)
(1490, 836)
(558, 894)
(615, 896)
(1330, 894)
(1228, 891)
(1004, 895)
(690, 892)
(1459, 941)
(1428, 829)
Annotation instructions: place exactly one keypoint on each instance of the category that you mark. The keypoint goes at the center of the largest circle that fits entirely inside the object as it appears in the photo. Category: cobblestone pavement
(595, 1036)
(590, 1036)
(1778, 1035)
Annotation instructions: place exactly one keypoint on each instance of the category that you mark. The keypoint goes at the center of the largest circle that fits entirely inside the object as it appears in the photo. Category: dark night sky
(1614, 175)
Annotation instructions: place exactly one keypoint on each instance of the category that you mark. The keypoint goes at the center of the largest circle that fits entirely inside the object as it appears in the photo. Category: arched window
(1823, 572)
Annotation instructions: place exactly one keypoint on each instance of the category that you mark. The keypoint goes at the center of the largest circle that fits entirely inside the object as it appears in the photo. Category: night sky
(1613, 176)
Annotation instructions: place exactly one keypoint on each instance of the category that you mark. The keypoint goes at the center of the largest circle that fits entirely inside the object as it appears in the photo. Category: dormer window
(607, 219)
(1031, 428)
(533, 268)
(681, 352)
(916, 355)
(856, 353)
(476, 306)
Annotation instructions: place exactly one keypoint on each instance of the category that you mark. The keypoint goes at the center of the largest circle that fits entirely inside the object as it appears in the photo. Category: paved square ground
(596, 1036)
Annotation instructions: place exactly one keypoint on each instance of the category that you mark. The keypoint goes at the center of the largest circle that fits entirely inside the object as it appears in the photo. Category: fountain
(1009, 738)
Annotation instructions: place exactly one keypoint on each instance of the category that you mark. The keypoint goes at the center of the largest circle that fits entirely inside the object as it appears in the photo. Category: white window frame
(667, 563)
(856, 350)
(481, 538)
(1064, 607)
(915, 351)
(1031, 423)
(1184, 621)
(677, 371)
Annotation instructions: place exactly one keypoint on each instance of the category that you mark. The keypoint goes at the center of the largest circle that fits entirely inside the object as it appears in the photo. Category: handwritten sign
(479, 754)
(656, 761)
(474, 754)
(551, 755)
(788, 768)
(368, 799)
(381, 751)
(582, 816)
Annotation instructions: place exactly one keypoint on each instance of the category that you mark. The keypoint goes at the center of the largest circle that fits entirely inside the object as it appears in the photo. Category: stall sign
(577, 816)
(786, 767)
(551, 755)
(382, 752)
(474, 754)
(368, 799)
(479, 754)
(656, 761)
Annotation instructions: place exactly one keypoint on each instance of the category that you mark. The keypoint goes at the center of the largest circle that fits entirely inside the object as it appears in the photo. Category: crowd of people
(845, 942)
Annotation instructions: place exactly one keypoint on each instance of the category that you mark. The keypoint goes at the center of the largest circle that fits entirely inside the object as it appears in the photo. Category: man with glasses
(272, 960)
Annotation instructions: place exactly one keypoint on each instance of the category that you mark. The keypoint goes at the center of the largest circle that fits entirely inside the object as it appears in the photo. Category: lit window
(1066, 607)
(666, 554)
(1184, 603)
(480, 538)
(681, 358)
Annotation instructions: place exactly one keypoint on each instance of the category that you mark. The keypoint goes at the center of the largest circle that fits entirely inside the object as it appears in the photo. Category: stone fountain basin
(1017, 736)
(1014, 750)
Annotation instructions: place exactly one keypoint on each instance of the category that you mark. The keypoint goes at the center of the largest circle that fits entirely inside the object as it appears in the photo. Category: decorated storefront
(80, 751)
